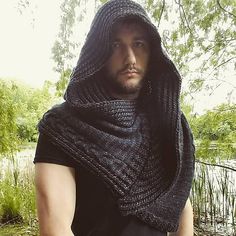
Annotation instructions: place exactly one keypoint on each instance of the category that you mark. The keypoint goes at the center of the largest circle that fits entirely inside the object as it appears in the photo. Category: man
(116, 158)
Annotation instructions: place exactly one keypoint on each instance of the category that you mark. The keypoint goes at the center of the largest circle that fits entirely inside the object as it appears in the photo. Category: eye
(115, 45)
(139, 44)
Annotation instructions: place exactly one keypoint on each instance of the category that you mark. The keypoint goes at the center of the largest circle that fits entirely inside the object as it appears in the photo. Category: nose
(130, 58)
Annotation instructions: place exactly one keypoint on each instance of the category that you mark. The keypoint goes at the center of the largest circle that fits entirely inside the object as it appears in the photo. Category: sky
(26, 40)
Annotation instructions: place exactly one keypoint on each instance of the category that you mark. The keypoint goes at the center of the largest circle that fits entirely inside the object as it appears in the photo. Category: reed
(17, 195)
(213, 198)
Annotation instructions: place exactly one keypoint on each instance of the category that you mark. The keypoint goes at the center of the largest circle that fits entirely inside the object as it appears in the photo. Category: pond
(23, 161)
(213, 193)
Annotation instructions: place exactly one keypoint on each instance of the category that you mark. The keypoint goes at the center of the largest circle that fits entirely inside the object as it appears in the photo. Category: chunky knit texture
(143, 150)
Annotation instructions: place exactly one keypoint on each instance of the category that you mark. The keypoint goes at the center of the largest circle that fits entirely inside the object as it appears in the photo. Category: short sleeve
(48, 152)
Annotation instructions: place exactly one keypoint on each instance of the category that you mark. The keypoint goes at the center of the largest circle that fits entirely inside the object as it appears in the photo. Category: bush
(17, 198)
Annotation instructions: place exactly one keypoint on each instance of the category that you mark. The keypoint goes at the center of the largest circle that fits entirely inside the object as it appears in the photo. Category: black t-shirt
(96, 212)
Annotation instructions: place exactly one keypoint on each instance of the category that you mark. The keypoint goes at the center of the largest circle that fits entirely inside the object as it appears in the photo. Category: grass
(213, 198)
(17, 199)
(19, 230)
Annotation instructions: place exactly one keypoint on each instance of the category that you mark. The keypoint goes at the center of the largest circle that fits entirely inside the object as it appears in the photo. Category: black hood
(97, 47)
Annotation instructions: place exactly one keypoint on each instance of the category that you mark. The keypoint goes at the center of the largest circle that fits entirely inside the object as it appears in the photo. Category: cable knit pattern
(143, 150)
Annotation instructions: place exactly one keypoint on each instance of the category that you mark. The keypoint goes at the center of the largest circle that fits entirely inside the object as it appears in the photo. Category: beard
(120, 87)
(121, 84)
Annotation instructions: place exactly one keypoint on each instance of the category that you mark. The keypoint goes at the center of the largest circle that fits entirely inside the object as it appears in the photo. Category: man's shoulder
(58, 118)
(61, 107)
(59, 110)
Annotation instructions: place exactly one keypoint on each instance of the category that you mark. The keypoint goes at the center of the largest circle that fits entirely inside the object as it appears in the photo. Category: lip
(129, 72)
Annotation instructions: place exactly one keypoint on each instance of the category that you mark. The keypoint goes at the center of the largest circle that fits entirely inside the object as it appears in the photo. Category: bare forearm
(55, 232)
(186, 222)
(51, 226)
(51, 222)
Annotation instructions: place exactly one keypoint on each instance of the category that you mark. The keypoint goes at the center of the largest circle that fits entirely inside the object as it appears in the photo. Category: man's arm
(186, 221)
(55, 198)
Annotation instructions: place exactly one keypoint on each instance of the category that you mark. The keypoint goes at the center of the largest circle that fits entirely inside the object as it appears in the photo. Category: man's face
(127, 66)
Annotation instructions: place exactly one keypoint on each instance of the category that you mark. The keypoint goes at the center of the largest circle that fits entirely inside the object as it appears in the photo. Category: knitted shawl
(141, 149)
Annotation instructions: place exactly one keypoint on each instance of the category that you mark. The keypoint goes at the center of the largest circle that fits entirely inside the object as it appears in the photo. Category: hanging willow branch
(230, 13)
(223, 63)
(162, 10)
(181, 9)
(218, 165)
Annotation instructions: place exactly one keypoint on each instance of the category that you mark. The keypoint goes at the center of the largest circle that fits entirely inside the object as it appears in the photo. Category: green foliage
(31, 105)
(17, 199)
(10, 205)
(215, 133)
(21, 108)
(20, 229)
(17, 195)
(62, 82)
(38, 101)
(8, 115)
(103, 1)
(64, 49)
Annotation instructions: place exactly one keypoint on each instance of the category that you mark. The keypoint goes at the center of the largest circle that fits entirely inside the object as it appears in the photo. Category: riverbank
(19, 230)
(213, 197)
(17, 198)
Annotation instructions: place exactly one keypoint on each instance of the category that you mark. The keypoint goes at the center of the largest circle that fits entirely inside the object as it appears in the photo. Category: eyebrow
(116, 39)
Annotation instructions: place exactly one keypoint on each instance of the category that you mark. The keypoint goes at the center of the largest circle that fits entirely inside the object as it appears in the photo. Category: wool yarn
(142, 149)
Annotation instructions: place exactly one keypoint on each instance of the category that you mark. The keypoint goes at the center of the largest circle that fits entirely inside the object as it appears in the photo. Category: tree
(21, 108)
(200, 37)
(8, 113)
(31, 105)
(64, 49)
(215, 133)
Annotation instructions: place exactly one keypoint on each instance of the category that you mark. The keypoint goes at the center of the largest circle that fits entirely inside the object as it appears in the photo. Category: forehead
(130, 28)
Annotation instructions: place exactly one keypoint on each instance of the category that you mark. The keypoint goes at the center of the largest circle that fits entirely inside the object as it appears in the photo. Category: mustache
(129, 69)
